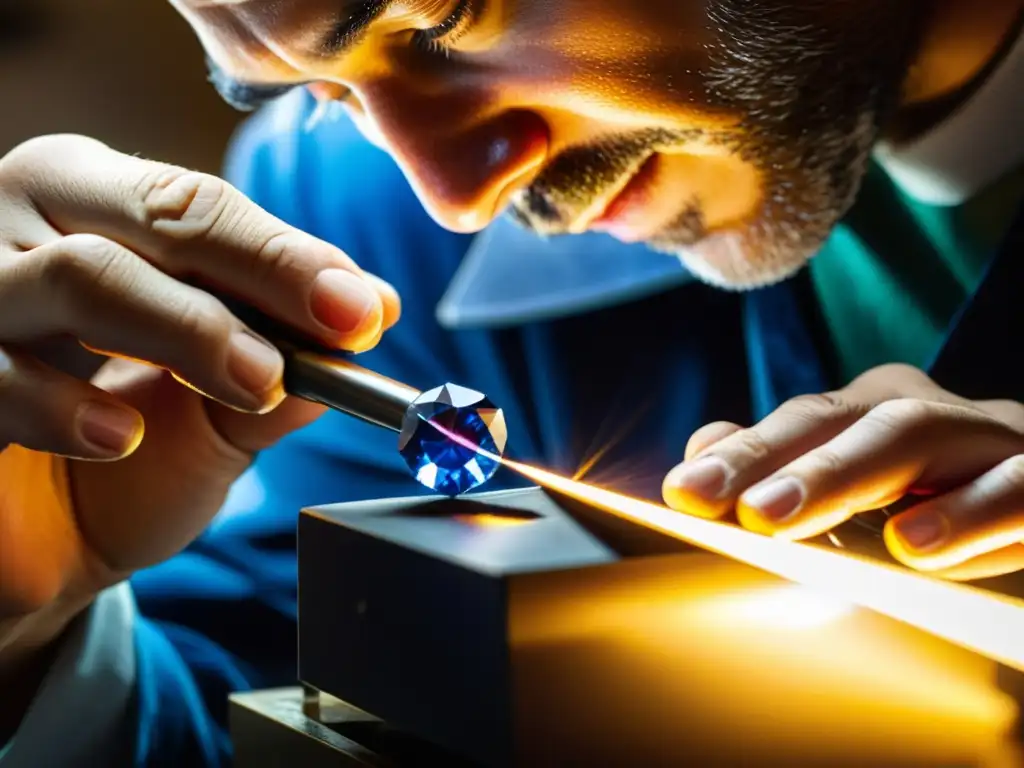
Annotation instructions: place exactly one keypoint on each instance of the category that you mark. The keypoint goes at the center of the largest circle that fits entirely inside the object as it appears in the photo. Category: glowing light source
(789, 607)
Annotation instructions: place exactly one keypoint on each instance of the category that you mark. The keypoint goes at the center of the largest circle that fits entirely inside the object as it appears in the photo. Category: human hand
(819, 460)
(102, 478)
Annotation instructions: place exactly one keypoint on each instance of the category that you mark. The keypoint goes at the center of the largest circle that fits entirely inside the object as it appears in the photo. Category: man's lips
(625, 214)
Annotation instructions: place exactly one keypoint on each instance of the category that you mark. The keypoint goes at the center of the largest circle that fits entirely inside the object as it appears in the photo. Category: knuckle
(181, 203)
(1011, 406)
(85, 264)
(204, 319)
(1013, 471)
(826, 461)
(77, 263)
(892, 372)
(276, 255)
(45, 150)
(828, 406)
(903, 415)
(1009, 412)
(709, 435)
(751, 444)
(28, 168)
(901, 369)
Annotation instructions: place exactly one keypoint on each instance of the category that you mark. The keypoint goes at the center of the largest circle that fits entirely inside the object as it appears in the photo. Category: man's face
(731, 133)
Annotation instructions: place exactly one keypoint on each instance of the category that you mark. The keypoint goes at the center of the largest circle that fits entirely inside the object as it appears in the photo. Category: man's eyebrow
(348, 31)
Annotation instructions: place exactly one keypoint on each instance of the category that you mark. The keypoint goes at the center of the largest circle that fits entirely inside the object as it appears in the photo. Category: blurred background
(127, 72)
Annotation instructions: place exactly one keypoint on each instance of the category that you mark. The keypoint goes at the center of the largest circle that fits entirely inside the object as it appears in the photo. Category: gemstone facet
(452, 439)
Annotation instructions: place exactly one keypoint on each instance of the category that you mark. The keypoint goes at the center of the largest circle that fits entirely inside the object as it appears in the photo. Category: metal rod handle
(347, 387)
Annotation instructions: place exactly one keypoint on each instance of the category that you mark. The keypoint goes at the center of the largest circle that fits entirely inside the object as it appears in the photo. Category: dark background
(127, 72)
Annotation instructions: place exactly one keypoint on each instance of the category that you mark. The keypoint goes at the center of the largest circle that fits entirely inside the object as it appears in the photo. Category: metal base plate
(297, 728)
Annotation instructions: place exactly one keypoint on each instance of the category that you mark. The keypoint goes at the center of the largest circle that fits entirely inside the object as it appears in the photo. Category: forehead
(283, 40)
(649, 14)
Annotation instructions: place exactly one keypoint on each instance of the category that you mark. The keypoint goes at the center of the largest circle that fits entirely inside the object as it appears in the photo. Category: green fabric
(894, 274)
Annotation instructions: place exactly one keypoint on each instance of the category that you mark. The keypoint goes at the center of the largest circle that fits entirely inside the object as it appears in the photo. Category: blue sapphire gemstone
(453, 439)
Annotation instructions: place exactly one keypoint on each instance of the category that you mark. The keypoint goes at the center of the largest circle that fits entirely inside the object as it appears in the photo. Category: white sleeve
(83, 713)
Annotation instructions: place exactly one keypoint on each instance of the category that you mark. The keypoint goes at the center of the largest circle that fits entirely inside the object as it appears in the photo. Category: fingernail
(342, 300)
(776, 500)
(115, 431)
(705, 478)
(255, 366)
(922, 531)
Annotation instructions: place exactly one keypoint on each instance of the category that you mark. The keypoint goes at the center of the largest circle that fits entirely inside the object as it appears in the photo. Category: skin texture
(736, 154)
(818, 461)
(118, 461)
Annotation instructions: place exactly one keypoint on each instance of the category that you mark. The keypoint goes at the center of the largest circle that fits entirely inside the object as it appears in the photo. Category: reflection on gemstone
(452, 439)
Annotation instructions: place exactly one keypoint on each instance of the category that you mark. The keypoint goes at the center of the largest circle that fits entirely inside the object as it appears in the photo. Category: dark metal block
(524, 629)
(413, 593)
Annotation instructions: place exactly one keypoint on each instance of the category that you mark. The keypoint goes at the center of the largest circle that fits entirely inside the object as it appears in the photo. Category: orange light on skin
(982, 622)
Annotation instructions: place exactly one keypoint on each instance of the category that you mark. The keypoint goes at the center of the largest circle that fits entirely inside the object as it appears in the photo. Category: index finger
(710, 481)
(196, 226)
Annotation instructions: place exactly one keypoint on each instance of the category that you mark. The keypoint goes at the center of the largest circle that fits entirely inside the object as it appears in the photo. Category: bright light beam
(982, 622)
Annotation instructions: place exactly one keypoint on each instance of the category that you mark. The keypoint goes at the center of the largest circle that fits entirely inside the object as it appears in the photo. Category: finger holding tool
(452, 438)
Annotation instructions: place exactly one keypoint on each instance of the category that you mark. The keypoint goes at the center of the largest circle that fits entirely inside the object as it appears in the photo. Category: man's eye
(441, 38)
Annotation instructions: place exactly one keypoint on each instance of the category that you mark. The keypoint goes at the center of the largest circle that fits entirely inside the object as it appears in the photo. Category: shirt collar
(510, 276)
(970, 150)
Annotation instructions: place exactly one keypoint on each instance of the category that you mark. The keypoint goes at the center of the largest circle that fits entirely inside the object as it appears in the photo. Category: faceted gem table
(452, 439)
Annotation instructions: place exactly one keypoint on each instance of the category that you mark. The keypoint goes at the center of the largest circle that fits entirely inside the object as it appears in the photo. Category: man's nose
(463, 155)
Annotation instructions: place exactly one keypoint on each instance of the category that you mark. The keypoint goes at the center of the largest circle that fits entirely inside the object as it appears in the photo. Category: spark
(625, 426)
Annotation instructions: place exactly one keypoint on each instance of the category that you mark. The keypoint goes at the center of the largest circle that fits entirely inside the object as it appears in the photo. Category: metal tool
(451, 438)
(328, 376)
(344, 386)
